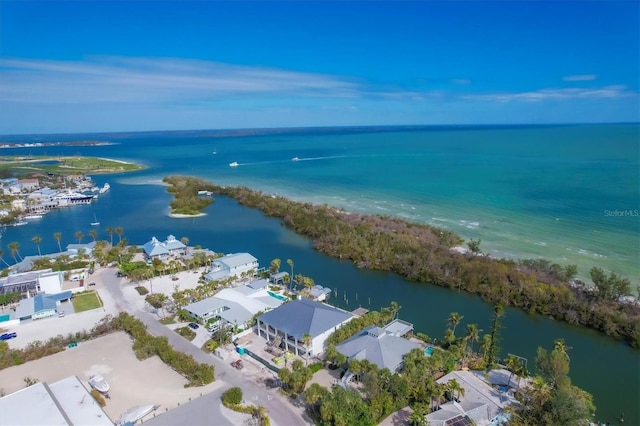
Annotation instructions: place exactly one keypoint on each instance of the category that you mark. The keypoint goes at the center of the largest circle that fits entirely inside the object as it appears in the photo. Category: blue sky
(114, 65)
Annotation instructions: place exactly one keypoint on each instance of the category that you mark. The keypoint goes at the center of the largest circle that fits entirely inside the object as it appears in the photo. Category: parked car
(92, 284)
(194, 325)
(61, 314)
(7, 336)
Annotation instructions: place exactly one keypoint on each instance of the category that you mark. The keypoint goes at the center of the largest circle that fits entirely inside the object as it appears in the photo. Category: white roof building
(65, 402)
(231, 265)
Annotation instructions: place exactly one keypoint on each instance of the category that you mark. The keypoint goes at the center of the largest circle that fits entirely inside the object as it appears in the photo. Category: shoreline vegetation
(425, 254)
(65, 165)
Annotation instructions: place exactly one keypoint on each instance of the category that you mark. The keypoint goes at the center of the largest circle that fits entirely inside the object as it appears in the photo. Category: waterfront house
(480, 403)
(28, 184)
(155, 249)
(232, 265)
(74, 250)
(382, 346)
(289, 323)
(235, 306)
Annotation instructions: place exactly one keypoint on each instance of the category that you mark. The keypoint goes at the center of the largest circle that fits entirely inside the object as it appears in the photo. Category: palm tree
(290, 263)
(110, 232)
(560, 346)
(37, 240)
(119, 231)
(14, 246)
(2, 258)
(79, 236)
(455, 389)
(473, 334)
(395, 307)
(514, 365)
(306, 341)
(58, 237)
(94, 234)
(185, 241)
(454, 320)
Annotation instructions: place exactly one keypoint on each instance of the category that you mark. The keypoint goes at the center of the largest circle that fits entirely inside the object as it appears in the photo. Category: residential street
(280, 410)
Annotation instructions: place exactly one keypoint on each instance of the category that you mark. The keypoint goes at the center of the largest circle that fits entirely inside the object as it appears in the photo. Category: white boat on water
(234, 164)
(95, 221)
(20, 223)
(99, 383)
(134, 414)
(295, 159)
(33, 216)
(105, 188)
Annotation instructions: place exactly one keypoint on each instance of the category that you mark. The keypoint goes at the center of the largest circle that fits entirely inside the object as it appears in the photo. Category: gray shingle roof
(303, 316)
(378, 346)
(237, 259)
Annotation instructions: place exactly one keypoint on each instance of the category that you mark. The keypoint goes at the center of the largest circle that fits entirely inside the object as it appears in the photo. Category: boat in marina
(33, 216)
(105, 188)
(234, 164)
(20, 223)
(99, 383)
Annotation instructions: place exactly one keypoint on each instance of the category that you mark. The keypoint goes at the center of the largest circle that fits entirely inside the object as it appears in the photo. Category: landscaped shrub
(232, 396)
(142, 290)
(98, 397)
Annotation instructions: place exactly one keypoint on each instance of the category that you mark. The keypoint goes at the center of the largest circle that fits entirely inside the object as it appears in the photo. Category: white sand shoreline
(185, 216)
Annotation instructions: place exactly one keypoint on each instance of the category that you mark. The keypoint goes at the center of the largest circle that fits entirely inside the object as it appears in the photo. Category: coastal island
(188, 196)
(63, 165)
(427, 254)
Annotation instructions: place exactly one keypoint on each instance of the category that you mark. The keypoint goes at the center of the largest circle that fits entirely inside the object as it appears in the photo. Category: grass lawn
(86, 302)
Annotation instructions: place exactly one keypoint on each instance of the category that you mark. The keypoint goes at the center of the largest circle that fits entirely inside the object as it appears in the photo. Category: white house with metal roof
(236, 306)
(65, 402)
(231, 265)
(32, 282)
(381, 346)
(290, 322)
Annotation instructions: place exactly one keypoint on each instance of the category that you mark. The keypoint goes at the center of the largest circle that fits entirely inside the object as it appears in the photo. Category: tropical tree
(454, 320)
(515, 367)
(306, 342)
(274, 268)
(185, 241)
(492, 352)
(14, 246)
(474, 246)
(110, 232)
(79, 236)
(37, 240)
(473, 334)
(94, 234)
(2, 258)
(455, 389)
(119, 231)
(290, 263)
(395, 308)
(58, 237)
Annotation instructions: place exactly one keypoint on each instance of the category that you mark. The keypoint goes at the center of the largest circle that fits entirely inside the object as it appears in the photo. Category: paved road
(280, 411)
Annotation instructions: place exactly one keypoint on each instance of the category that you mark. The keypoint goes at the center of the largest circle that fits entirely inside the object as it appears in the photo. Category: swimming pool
(276, 296)
(428, 351)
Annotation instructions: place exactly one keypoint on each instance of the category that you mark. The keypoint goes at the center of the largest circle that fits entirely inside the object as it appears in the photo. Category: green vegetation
(64, 165)
(185, 191)
(186, 332)
(9, 298)
(295, 379)
(232, 399)
(551, 399)
(423, 254)
(86, 301)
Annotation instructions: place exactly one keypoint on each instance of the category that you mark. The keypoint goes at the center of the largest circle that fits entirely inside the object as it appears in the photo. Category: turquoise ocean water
(548, 192)
(566, 193)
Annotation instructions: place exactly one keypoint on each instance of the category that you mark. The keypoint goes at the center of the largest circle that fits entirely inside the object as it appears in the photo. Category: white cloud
(118, 79)
(579, 77)
(607, 92)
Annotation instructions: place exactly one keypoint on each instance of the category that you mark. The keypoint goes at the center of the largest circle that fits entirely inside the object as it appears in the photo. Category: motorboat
(234, 164)
(99, 383)
(33, 216)
(134, 414)
(295, 159)
(105, 188)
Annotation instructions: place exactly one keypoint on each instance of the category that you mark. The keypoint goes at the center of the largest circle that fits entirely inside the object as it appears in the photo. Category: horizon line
(265, 130)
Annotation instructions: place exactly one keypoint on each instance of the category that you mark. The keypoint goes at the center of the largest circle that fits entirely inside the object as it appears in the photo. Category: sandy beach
(133, 382)
(185, 216)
